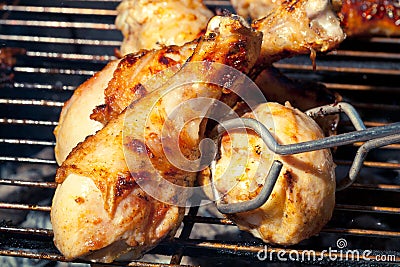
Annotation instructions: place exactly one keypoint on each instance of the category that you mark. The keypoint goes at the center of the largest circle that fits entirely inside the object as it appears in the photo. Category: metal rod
(372, 164)
(361, 155)
(348, 109)
(32, 102)
(57, 24)
(28, 183)
(59, 10)
(360, 87)
(16, 206)
(55, 71)
(43, 86)
(338, 69)
(364, 54)
(27, 142)
(28, 122)
(27, 160)
(327, 142)
(59, 40)
(71, 56)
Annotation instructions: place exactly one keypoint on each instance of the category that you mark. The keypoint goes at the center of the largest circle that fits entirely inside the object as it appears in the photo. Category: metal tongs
(374, 137)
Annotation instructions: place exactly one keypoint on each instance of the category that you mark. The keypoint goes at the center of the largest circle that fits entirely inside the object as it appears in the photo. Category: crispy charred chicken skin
(98, 210)
(152, 24)
(298, 27)
(109, 92)
(369, 18)
(303, 198)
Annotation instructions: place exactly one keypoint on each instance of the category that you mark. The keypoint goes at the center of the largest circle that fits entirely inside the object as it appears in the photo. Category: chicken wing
(303, 198)
(99, 212)
(298, 27)
(152, 24)
(370, 17)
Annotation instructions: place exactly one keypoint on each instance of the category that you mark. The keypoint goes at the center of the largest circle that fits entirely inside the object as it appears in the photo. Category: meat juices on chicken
(99, 212)
(303, 198)
(152, 24)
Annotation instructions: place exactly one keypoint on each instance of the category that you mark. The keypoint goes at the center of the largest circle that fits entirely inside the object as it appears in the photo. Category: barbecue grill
(49, 47)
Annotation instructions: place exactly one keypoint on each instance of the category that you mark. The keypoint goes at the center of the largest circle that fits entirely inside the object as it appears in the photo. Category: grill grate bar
(59, 40)
(359, 87)
(372, 164)
(390, 40)
(54, 71)
(352, 231)
(364, 54)
(43, 86)
(57, 257)
(27, 142)
(59, 10)
(64, 56)
(392, 146)
(369, 106)
(19, 230)
(57, 24)
(32, 255)
(27, 160)
(234, 248)
(4, 205)
(28, 122)
(28, 183)
(338, 69)
(374, 209)
(362, 232)
(32, 102)
(380, 187)
(186, 231)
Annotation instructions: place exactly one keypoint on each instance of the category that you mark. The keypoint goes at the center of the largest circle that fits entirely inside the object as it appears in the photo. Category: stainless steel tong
(374, 137)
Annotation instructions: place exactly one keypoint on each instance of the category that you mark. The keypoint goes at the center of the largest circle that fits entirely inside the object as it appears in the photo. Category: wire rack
(60, 44)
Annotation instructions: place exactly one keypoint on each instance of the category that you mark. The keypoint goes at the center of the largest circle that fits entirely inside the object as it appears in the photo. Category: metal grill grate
(63, 43)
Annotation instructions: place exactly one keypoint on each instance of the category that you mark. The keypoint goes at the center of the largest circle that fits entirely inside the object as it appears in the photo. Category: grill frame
(366, 73)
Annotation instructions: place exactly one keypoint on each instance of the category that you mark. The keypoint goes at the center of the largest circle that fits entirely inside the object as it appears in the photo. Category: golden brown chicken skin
(298, 27)
(303, 197)
(110, 91)
(370, 17)
(152, 24)
(99, 212)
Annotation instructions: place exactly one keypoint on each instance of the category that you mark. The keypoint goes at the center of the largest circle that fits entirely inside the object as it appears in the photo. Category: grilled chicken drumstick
(145, 25)
(110, 91)
(152, 24)
(303, 197)
(98, 211)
